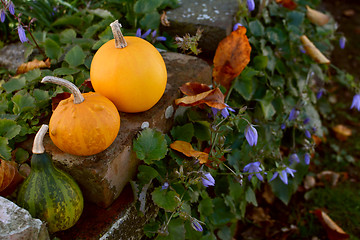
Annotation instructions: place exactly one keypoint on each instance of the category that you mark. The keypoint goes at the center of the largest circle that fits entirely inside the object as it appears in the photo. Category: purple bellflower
(254, 168)
(251, 135)
(2, 15)
(356, 102)
(283, 126)
(236, 26)
(293, 114)
(307, 134)
(283, 174)
(22, 34)
(320, 93)
(302, 49)
(251, 5)
(165, 186)
(208, 180)
(307, 158)
(11, 7)
(342, 42)
(224, 112)
(306, 120)
(160, 38)
(196, 225)
(294, 158)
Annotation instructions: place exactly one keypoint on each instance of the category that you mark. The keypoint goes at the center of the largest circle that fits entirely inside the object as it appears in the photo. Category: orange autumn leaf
(313, 52)
(10, 178)
(316, 17)
(186, 149)
(342, 132)
(213, 98)
(26, 67)
(289, 4)
(193, 88)
(231, 57)
(334, 232)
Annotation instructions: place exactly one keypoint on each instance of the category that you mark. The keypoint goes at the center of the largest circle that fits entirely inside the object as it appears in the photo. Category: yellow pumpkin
(129, 71)
(83, 124)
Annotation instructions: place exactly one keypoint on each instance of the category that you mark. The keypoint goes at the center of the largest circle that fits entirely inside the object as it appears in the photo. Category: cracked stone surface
(16, 223)
(215, 17)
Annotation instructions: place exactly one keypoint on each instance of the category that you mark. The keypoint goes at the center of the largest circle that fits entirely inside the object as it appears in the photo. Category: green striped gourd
(49, 193)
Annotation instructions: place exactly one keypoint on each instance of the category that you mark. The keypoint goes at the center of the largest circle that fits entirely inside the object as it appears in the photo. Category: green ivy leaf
(266, 105)
(150, 20)
(41, 95)
(52, 49)
(250, 197)
(8, 128)
(183, 133)
(150, 145)
(14, 84)
(22, 103)
(145, 6)
(176, 230)
(165, 199)
(246, 84)
(260, 62)
(75, 56)
(256, 28)
(146, 173)
(222, 214)
(295, 18)
(202, 130)
(103, 13)
(65, 71)
(206, 207)
(21, 155)
(67, 36)
(5, 150)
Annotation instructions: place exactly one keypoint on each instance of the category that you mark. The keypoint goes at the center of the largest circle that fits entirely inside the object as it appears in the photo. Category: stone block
(103, 176)
(215, 17)
(12, 56)
(16, 223)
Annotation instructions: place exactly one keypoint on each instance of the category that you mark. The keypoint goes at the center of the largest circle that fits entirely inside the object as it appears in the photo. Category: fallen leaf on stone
(316, 17)
(334, 232)
(313, 52)
(231, 57)
(10, 178)
(213, 98)
(342, 132)
(58, 98)
(194, 88)
(186, 149)
(289, 4)
(26, 67)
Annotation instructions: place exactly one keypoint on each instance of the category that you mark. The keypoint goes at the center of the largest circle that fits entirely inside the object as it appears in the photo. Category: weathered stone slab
(12, 56)
(16, 223)
(103, 176)
(215, 17)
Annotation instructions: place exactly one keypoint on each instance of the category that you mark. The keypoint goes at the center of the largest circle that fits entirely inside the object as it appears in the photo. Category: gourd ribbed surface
(51, 195)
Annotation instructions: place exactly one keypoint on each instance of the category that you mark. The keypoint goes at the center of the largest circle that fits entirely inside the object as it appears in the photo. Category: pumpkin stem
(78, 98)
(119, 38)
(38, 146)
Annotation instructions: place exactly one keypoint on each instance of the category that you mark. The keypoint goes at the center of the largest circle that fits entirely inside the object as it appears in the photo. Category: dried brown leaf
(213, 98)
(26, 67)
(231, 57)
(164, 20)
(186, 149)
(334, 232)
(342, 132)
(58, 98)
(194, 88)
(10, 178)
(316, 17)
(313, 52)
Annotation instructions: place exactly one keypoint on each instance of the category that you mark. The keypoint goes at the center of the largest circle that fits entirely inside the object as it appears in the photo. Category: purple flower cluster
(208, 180)
(251, 5)
(254, 168)
(147, 33)
(283, 174)
(9, 6)
(251, 135)
(224, 112)
(356, 102)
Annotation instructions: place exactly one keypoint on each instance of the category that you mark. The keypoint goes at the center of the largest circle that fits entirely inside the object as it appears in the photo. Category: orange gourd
(129, 71)
(83, 124)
